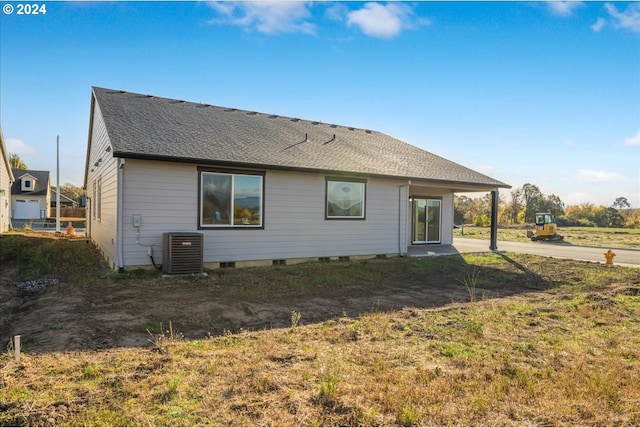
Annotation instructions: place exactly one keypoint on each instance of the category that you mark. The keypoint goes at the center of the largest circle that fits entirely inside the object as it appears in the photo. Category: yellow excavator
(546, 229)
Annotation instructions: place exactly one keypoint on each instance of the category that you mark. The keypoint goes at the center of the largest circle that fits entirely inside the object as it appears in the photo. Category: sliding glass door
(426, 220)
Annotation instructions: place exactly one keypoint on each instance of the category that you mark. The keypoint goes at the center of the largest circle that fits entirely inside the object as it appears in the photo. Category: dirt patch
(106, 310)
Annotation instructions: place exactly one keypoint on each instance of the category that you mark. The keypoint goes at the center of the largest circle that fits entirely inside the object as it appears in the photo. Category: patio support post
(493, 246)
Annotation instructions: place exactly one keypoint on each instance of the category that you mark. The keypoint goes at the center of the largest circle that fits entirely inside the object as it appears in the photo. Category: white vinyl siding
(165, 195)
(103, 182)
(446, 233)
(295, 211)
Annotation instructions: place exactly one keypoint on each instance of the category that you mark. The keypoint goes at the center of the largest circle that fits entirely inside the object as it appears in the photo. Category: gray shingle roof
(63, 198)
(144, 126)
(41, 184)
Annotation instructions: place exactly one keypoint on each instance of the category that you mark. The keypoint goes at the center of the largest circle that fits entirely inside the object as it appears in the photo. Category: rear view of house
(256, 188)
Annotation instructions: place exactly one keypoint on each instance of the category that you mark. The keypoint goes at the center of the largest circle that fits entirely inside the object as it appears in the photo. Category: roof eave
(86, 163)
(30, 175)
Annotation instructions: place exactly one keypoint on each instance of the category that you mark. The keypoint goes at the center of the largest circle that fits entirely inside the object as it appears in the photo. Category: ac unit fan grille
(182, 253)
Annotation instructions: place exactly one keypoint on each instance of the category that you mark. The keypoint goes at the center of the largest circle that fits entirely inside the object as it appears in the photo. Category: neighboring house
(30, 195)
(6, 180)
(65, 202)
(260, 188)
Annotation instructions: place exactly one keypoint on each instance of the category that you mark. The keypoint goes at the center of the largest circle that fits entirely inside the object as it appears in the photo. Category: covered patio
(428, 225)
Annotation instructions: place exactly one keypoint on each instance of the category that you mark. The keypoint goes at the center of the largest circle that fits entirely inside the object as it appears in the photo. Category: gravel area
(37, 284)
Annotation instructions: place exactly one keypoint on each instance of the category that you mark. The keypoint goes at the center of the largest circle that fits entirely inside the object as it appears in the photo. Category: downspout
(87, 230)
(402, 231)
(120, 197)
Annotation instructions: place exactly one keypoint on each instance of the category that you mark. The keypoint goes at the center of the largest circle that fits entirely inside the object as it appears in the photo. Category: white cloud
(19, 147)
(266, 16)
(599, 24)
(629, 19)
(593, 176)
(336, 11)
(384, 21)
(563, 8)
(633, 141)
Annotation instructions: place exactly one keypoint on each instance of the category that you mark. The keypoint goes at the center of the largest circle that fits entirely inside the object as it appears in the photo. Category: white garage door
(26, 210)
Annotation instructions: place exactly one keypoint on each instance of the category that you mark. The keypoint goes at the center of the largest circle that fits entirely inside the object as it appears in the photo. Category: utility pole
(57, 184)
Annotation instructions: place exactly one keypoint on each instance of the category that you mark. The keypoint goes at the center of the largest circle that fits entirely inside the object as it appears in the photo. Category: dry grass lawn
(564, 354)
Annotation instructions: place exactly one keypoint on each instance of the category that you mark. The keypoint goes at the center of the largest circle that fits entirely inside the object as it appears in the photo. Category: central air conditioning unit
(182, 253)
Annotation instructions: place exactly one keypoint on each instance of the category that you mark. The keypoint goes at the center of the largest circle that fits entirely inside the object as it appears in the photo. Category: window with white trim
(99, 199)
(345, 198)
(94, 200)
(28, 184)
(231, 199)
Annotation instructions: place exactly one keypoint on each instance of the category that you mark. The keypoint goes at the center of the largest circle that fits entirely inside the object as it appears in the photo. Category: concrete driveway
(563, 250)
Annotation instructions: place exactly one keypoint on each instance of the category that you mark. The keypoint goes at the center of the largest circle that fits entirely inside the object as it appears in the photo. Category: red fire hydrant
(608, 256)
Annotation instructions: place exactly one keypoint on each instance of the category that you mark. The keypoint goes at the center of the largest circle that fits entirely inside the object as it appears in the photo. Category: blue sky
(526, 92)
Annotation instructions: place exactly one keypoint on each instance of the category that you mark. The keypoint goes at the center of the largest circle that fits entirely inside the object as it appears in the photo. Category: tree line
(527, 200)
